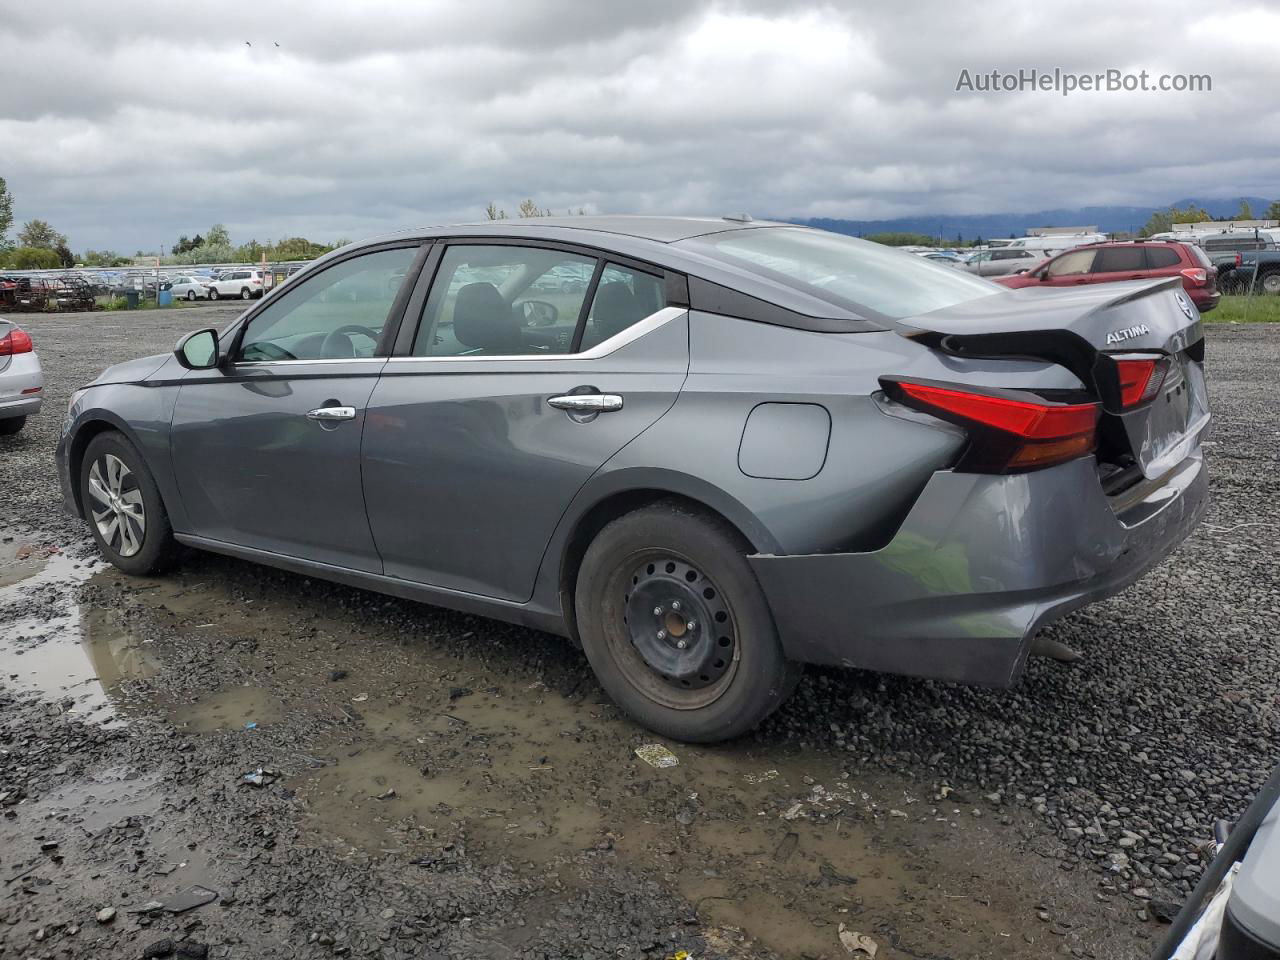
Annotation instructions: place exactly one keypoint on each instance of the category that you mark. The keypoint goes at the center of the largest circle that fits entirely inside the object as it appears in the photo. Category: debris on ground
(857, 944)
(786, 848)
(105, 915)
(760, 777)
(190, 898)
(260, 778)
(656, 755)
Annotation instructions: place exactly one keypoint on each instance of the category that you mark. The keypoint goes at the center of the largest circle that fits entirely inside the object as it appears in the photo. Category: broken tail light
(1008, 434)
(1140, 379)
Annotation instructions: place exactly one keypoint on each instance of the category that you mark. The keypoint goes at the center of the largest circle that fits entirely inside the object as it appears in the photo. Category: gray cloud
(125, 127)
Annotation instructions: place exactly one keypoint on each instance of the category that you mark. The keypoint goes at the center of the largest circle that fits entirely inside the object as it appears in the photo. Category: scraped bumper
(980, 564)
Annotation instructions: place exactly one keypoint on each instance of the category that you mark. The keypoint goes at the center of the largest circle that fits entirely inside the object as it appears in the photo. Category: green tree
(38, 233)
(103, 258)
(1273, 211)
(217, 237)
(32, 258)
(493, 213)
(530, 209)
(1162, 221)
(6, 213)
(1245, 212)
(901, 239)
(65, 256)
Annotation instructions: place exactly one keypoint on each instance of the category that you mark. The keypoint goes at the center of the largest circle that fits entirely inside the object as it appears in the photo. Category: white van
(1048, 246)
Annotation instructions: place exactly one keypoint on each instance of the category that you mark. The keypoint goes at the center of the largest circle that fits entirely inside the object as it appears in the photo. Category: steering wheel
(329, 346)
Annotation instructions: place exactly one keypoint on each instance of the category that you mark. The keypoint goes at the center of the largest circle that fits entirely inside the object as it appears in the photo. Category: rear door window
(1119, 260)
(623, 298)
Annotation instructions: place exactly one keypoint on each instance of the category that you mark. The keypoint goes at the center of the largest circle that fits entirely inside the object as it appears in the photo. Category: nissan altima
(736, 447)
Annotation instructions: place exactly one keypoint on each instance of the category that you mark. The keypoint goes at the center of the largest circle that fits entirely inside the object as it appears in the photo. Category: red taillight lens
(17, 341)
(1007, 434)
(1239, 259)
(1140, 379)
(1197, 275)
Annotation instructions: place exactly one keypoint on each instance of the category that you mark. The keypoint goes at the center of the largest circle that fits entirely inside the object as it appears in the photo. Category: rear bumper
(980, 564)
(1205, 300)
(19, 407)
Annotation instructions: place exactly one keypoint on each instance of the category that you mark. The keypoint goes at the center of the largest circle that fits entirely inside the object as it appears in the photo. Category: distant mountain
(1107, 219)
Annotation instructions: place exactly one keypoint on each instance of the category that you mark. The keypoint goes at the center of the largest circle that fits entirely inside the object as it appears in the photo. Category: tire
(246, 293)
(149, 546)
(1269, 282)
(191, 296)
(213, 293)
(11, 425)
(731, 675)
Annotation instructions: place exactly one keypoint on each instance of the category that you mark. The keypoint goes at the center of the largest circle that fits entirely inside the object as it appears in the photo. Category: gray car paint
(857, 530)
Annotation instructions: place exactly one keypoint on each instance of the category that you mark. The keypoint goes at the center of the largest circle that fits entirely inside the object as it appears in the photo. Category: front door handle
(331, 414)
(587, 402)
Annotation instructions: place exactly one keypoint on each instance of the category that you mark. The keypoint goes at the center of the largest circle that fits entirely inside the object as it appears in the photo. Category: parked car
(1245, 259)
(244, 284)
(674, 472)
(946, 259)
(1002, 262)
(1047, 246)
(21, 380)
(1128, 260)
(1234, 911)
(190, 287)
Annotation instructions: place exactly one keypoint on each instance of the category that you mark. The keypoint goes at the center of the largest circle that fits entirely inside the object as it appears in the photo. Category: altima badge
(1128, 333)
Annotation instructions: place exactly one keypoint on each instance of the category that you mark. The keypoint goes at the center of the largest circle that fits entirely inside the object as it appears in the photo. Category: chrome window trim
(602, 349)
(273, 363)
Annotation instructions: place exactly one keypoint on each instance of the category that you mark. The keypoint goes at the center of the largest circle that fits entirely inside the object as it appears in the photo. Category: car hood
(132, 371)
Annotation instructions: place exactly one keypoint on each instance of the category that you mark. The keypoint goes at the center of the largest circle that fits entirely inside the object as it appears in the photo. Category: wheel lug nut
(691, 625)
(675, 605)
(658, 611)
(682, 644)
(662, 634)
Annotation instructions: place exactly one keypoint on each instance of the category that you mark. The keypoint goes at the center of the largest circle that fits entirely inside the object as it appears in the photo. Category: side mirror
(199, 350)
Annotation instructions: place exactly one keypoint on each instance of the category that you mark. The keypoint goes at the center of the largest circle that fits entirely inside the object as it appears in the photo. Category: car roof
(661, 229)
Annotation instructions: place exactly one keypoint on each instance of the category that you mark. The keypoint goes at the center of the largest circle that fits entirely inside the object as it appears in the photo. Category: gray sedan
(736, 448)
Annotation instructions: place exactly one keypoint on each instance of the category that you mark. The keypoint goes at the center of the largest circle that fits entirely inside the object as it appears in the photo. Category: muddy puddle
(389, 746)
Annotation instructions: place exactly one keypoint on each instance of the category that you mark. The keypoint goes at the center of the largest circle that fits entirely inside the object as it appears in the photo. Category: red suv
(1127, 260)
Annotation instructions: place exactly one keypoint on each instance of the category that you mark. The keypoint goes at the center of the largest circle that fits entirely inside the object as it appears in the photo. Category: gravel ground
(441, 785)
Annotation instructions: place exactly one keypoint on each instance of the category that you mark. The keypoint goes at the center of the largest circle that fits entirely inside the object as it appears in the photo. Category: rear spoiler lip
(1025, 341)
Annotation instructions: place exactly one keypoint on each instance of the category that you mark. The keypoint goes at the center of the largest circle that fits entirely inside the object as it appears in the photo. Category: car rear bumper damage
(980, 564)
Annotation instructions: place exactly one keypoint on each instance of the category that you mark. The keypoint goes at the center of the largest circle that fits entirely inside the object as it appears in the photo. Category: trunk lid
(1085, 329)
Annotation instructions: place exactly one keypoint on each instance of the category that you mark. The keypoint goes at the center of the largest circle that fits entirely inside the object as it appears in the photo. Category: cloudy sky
(127, 124)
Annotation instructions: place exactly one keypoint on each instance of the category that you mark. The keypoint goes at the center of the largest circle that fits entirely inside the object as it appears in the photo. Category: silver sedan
(21, 381)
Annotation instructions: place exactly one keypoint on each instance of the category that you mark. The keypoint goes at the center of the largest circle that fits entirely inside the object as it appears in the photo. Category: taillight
(1140, 379)
(1197, 275)
(1239, 259)
(17, 341)
(1006, 434)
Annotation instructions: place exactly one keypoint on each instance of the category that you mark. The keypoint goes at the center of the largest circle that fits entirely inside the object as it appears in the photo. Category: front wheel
(123, 506)
(676, 628)
(191, 295)
(213, 293)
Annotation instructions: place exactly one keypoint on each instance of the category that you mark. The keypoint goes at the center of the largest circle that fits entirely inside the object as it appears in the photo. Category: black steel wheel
(676, 627)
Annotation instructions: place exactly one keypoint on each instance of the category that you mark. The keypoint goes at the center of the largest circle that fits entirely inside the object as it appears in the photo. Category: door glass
(623, 298)
(1159, 258)
(490, 300)
(335, 314)
(1119, 259)
(1070, 264)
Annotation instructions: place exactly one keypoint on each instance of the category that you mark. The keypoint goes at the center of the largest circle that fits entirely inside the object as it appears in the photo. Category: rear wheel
(245, 293)
(11, 425)
(676, 627)
(1270, 282)
(123, 506)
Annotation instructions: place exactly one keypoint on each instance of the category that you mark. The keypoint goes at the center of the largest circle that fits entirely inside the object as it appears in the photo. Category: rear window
(1161, 257)
(1199, 256)
(867, 278)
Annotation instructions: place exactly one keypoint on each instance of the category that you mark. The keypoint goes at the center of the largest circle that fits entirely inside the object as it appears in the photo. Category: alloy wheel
(118, 511)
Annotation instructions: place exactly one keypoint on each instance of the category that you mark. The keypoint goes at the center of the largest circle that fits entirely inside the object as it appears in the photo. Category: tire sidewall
(157, 539)
(762, 678)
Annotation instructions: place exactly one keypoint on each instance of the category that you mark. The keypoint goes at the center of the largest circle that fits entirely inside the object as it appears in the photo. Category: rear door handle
(587, 402)
(331, 414)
